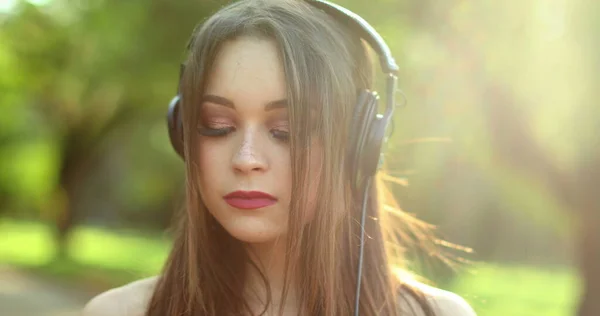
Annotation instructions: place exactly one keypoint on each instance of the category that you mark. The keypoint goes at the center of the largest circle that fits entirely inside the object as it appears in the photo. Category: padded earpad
(362, 161)
(372, 156)
(175, 126)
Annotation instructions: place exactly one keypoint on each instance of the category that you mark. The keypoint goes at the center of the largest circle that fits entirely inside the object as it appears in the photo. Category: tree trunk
(74, 166)
(577, 190)
(588, 203)
(589, 249)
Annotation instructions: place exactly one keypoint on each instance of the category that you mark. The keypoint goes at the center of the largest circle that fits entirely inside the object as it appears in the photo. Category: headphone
(368, 129)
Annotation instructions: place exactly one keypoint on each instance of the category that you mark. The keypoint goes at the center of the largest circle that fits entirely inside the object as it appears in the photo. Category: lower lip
(249, 204)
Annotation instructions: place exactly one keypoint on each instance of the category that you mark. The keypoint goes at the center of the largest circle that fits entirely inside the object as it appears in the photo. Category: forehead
(248, 69)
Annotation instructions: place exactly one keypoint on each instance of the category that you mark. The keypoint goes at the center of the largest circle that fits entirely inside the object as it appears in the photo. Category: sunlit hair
(325, 65)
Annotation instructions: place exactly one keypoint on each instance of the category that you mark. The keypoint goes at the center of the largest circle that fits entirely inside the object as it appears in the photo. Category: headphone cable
(362, 245)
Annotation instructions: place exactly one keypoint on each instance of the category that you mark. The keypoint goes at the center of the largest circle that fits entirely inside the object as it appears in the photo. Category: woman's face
(244, 154)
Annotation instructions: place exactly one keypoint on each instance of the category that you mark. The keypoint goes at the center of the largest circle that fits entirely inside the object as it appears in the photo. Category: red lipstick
(248, 200)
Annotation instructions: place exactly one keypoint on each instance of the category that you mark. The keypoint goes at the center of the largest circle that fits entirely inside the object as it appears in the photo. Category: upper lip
(249, 195)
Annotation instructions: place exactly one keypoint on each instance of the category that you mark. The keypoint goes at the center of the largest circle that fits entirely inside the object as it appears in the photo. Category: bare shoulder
(444, 303)
(130, 299)
(447, 303)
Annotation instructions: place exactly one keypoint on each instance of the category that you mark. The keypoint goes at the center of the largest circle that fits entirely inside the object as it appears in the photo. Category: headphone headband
(364, 30)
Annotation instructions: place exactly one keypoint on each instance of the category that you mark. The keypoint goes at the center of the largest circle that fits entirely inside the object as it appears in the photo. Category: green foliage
(27, 169)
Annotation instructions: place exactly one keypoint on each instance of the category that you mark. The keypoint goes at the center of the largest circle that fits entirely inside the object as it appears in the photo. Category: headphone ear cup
(372, 155)
(175, 125)
(360, 134)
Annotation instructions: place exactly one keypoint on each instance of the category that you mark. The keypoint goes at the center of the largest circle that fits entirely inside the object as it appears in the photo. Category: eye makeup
(214, 132)
(215, 122)
(279, 127)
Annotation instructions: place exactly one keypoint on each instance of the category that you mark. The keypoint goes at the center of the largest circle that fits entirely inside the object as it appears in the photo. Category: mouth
(249, 200)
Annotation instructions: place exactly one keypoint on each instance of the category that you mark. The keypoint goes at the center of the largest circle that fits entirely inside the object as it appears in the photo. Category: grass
(98, 258)
(101, 259)
(499, 290)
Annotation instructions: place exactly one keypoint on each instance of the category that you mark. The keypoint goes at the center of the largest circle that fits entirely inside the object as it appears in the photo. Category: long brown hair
(325, 65)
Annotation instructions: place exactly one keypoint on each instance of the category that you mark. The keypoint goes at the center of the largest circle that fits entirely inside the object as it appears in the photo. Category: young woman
(273, 210)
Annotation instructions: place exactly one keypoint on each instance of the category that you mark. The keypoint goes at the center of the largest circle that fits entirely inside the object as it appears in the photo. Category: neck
(270, 259)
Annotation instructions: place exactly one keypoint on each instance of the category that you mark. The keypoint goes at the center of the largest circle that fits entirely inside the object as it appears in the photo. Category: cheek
(281, 172)
(210, 164)
(314, 178)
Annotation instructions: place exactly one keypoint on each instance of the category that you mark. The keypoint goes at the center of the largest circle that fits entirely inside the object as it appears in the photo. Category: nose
(248, 157)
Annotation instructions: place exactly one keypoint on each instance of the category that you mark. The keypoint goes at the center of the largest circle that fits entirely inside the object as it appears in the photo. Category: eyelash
(220, 132)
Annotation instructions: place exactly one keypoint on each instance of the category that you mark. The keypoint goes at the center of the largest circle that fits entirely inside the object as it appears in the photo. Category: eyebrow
(277, 104)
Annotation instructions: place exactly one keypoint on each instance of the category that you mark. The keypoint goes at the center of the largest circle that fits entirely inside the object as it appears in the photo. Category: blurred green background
(498, 145)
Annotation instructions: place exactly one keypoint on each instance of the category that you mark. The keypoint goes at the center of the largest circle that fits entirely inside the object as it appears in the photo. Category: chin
(254, 230)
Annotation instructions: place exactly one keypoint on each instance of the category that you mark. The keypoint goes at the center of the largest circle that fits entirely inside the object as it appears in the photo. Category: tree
(92, 69)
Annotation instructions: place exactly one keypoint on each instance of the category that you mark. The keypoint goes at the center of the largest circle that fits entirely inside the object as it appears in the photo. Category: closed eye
(281, 135)
(214, 132)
